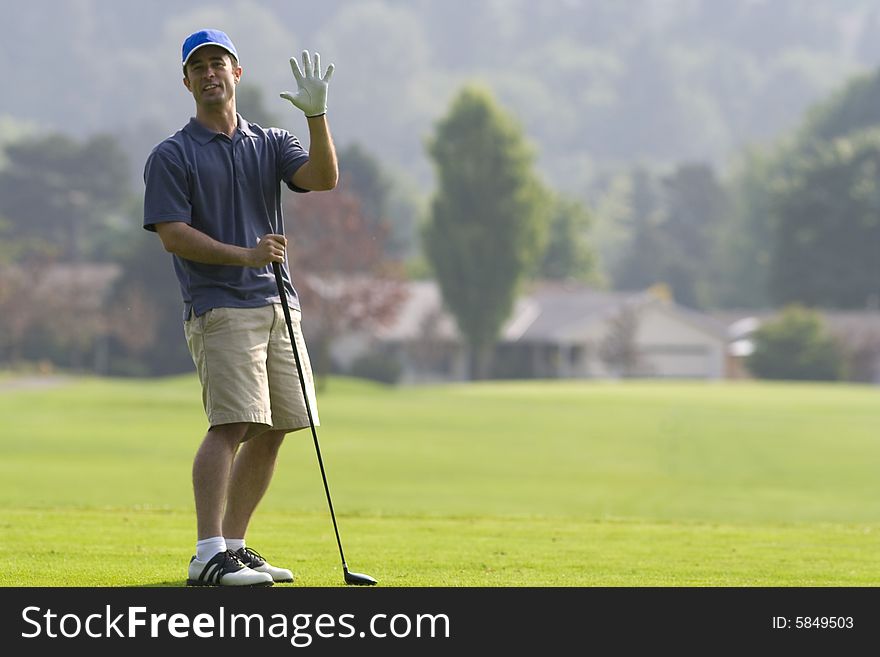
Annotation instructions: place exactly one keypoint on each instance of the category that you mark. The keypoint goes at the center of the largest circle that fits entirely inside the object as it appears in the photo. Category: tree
(743, 247)
(796, 346)
(251, 104)
(639, 264)
(53, 311)
(853, 108)
(56, 189)
(23, 296)
(387, 200)
(808, 221)
(362, 175)
(826, 249)
(675, 219)
(696, 206)
(569, 256)
(619, 349)
(146, 299)
(487, 224)
(340, 272)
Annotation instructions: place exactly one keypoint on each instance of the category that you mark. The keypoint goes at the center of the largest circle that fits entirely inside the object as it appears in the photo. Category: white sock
(208, 547)
(234, 544)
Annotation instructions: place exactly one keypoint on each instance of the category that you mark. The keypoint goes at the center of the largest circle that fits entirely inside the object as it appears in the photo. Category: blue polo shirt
(229, 189)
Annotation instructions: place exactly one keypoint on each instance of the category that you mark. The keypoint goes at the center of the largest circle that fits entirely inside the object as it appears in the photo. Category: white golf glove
(311, 93)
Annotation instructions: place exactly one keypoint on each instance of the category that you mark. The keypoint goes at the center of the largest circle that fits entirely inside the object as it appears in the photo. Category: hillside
(596, 84)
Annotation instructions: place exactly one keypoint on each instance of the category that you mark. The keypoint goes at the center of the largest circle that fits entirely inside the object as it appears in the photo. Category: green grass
(493, 484)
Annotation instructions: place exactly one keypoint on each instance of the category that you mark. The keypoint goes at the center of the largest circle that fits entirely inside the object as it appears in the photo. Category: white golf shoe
(253, 560)
(224, 569)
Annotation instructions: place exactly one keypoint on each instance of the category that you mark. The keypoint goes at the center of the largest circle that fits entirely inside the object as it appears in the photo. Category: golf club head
(358, 579)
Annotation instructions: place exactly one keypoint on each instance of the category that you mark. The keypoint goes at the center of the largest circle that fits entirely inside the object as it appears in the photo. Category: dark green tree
(744, 242)
(388, 203)
(806, 227)
(674, 223)
(796, 346)
(64, 192)
(640, 263)
(826, 249)
(362, 175)
(145, 307)
(569, 255)
(696, 205)
(854, 107)
(488, 219)
(251, 104)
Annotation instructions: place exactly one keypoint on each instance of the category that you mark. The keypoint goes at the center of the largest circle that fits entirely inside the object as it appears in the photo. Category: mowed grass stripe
(132, 547)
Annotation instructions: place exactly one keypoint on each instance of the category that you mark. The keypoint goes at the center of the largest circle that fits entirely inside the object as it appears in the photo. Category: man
(213, 194)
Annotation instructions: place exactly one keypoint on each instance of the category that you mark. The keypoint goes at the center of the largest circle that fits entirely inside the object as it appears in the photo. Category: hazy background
(668, 129)
(597, 84)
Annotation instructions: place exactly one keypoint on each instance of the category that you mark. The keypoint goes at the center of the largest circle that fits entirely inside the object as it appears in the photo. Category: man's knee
(232, 434)
(271, 439)
(263, 431)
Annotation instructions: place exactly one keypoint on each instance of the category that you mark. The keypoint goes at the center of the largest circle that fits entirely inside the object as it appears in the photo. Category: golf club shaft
(276, 266)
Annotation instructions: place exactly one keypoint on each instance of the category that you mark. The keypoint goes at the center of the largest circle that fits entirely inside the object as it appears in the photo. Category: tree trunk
(321, 365)
(479, 362)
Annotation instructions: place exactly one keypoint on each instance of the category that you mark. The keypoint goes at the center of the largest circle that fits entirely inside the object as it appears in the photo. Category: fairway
(489, 484)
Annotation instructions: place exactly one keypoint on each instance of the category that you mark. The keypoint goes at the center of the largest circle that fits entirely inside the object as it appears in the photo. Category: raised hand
(311, 93)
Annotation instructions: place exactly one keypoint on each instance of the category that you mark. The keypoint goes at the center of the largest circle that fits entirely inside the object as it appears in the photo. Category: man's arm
(321, 171)
(183, 240)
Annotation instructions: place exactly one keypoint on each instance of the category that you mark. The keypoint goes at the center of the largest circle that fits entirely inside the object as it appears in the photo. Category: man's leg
(251, 473)
(211, 476)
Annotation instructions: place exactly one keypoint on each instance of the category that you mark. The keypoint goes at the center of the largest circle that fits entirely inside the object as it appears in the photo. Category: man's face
(211, 77)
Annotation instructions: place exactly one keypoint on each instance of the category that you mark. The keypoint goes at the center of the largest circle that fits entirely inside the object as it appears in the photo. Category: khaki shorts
(247, 368)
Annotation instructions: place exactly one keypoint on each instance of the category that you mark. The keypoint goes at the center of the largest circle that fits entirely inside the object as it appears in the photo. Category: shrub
(796, 346)
(377, 367)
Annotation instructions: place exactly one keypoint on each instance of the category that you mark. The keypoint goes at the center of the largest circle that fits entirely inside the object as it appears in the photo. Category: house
(859, 332)
(556, 331)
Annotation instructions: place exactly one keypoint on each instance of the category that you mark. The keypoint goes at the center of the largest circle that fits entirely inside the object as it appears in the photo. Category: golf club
(357, 579)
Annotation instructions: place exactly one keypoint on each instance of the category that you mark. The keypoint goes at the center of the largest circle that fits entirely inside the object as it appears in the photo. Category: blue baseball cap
(202, 38)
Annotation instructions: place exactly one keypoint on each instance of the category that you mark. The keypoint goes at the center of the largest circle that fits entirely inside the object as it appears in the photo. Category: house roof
(546, 312)
(420, 315)
(558, 312)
